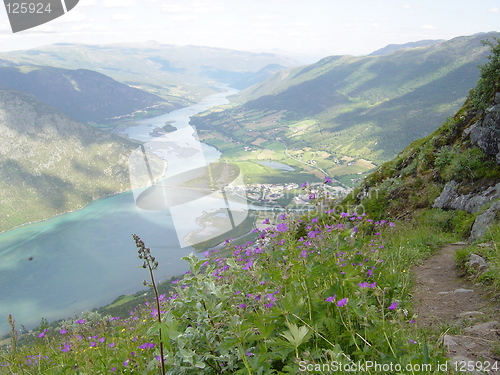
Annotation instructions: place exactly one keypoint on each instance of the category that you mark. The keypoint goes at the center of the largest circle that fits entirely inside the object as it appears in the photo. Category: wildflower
(62, 331)
(342, 302)
(66, 347)
(147, 345)
(312, 196)
(282, 227)
(42, 334)
(242, 305)
(266, 221)
(412, 342)
(249, 353)
(393, 306)
(328, 180)
(125, 363)
(282, 216)
(304, 185)
(111, 345)
(331, 299)
(315, 220)
(80, 321)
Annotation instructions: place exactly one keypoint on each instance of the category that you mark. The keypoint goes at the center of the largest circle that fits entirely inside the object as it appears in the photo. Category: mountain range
(173, 72)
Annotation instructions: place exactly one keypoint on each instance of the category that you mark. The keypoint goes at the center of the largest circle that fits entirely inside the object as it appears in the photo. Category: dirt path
(445, 299)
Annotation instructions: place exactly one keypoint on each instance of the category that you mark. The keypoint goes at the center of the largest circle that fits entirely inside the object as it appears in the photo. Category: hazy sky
(317, 27)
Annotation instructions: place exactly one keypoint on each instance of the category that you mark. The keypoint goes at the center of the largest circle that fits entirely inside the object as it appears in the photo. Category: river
(60, 267)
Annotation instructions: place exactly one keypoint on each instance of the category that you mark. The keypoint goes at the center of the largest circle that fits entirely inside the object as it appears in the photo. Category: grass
(489, 250)
(329, 287)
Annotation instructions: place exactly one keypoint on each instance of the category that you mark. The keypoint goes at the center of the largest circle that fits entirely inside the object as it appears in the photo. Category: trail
(470, 318)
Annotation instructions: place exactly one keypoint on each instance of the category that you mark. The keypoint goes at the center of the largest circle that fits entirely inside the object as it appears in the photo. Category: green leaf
(296, 335)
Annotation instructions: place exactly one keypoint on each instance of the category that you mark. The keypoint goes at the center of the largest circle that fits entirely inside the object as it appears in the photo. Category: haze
(306, 30)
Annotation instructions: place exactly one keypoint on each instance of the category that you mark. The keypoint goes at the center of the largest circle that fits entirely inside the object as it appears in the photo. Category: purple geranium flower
(393, 306)
(342, 302)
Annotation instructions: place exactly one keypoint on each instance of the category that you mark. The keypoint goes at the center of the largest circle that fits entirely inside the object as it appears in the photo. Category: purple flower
(342, 302)
(126, 362)
(242, 305)
(315, 220)
(112, 345)
(393, 306)
(282, 217)
(147, 345)
(66, 347)
(331, 298)
(80, 321)
(304, 185)
(93, 344)
(412, 342)
(282, 227)
(265, 221)
(312, 196)
(42, 334)
(62, 331)
(249, 353)
(328, 180)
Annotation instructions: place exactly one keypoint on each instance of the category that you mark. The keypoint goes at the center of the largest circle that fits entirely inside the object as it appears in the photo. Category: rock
(477, 262)
(486, 133)
(462, 290)
(470, 313)
(449, 199)
(488, 329)
(484, 221)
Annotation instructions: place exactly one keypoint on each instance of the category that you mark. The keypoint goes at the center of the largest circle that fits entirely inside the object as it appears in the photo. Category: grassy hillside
(50, 164)
(368, 107)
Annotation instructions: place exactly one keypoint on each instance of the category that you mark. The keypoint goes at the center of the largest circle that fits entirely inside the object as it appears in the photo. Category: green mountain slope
(85, 95)
(367, 107)
(50, 164)
(452, 176)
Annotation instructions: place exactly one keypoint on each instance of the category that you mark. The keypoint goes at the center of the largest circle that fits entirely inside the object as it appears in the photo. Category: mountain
(452, 176)
(166, 70)
(85, 95)
(50, 163)
(364, 108)
(390, 48)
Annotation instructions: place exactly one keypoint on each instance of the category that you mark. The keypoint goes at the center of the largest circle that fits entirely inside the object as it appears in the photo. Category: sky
(299, 28)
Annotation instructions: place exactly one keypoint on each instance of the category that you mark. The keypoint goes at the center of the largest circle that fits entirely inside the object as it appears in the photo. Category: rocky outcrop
(485, 134)
(484, 221)
(450, 199)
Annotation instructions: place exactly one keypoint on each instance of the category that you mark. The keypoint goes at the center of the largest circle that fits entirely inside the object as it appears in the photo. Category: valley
(265, 175)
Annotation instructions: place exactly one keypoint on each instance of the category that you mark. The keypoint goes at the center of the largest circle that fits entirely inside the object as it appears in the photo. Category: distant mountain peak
(390, 48)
